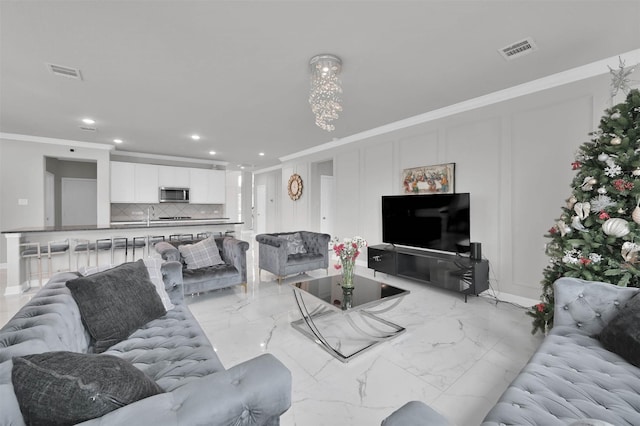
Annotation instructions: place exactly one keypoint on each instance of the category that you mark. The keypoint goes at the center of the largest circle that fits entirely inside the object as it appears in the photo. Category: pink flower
(540, 307)
(585, 261)
(604, 215)
(337, 266)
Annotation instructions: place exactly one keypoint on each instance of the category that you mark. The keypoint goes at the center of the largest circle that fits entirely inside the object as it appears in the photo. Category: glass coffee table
(345, 322)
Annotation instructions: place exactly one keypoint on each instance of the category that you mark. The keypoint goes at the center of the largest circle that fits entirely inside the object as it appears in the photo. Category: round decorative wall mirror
(295, 186)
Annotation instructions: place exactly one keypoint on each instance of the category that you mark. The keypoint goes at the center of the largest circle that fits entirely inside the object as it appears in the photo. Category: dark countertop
(125, 225)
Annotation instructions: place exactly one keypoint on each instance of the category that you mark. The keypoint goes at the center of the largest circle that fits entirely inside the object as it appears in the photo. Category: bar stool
(37, 251)
(180, 237)
(84, 246)
(32, 251)
(138, 242)
(119, 243)
(56, 248)
(152, 241)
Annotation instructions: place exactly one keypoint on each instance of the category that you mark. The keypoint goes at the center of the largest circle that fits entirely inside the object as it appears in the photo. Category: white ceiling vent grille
(65, 71)
(518, 49)
(88, 128)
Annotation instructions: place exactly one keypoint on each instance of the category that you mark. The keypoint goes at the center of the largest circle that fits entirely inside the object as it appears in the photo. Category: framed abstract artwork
(438, 179)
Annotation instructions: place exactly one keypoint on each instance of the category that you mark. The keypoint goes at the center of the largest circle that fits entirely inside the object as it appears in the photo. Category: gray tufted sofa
(571, 379)
(274, 257)
(571, 376)
(173, 350)
(234, 271)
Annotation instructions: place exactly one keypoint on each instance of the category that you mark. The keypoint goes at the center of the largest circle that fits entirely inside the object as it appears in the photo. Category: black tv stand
(450, 271)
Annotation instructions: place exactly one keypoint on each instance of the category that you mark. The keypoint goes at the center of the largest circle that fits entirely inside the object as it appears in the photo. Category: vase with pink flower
(347, 251)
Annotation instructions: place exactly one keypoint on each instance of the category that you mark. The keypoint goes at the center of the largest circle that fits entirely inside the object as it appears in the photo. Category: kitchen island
(18, 282)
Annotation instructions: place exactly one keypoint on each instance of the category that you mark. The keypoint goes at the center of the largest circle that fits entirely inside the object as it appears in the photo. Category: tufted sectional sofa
(571, 379)
(173, 350)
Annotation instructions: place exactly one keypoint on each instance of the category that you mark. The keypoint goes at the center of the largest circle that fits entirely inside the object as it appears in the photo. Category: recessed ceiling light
(261, 154)
(212, 153)
(117, 140)
(88, 121)
(242, 167)
(195, 137)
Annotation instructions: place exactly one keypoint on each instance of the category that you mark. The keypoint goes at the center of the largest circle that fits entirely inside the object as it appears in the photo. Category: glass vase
(347, 274)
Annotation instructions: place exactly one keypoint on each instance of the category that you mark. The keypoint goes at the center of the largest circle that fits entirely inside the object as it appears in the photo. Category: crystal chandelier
(326, 88)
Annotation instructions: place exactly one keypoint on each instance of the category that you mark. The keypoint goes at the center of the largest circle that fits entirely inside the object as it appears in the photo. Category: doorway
(261, 209)
(326, 204)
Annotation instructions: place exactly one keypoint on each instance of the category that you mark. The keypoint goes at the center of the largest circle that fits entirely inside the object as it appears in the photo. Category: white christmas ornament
(635, 215)
(603, 157)
(615, 141)
(629, 252)
(576, 224)
(563, 228)
(602, 190)
(636, 172)
(588, 182)
(582, 210)
(616, 227)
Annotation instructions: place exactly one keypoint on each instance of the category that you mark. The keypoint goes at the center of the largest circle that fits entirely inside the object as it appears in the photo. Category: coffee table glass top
(346, 322)
(366, 292)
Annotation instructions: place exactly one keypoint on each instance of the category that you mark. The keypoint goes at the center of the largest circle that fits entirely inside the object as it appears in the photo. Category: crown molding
(583, 72)
(169, 158)
(55, 141)
(268, 169)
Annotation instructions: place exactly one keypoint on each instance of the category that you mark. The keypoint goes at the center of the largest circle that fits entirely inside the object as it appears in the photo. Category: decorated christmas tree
(597, 236)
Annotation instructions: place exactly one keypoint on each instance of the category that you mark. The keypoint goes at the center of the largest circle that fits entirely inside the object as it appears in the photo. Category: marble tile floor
(457, 357)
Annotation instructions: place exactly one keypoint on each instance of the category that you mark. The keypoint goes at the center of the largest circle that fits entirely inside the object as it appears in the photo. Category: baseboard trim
(525, 302)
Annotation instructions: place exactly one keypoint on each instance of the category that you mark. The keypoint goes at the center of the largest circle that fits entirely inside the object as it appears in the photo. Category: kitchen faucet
(149, 210)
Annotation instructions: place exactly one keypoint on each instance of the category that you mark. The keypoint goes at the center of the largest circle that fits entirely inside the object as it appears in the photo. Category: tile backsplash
(132, 212)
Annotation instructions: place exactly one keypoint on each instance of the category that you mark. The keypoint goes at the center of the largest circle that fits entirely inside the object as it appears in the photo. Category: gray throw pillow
(622, 334)
(115, 303)
(295, 244)
(63, 388)
(202, 254)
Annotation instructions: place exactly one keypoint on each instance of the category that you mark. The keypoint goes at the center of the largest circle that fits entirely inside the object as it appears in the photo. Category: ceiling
(236, 72)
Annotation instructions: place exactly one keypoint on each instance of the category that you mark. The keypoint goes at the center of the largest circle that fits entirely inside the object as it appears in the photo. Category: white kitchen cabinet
(122, 182)
(207, 186)
(146, 183)
(173, 177)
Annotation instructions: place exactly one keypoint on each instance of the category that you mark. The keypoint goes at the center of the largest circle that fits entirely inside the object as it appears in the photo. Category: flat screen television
(434, 221)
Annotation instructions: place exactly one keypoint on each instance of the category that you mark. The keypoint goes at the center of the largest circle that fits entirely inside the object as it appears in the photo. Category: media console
(446, 270)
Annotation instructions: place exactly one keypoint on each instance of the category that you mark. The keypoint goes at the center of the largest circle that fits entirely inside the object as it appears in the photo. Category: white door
(261, 209)
(49, 197)
(326, 204)
(79, 201)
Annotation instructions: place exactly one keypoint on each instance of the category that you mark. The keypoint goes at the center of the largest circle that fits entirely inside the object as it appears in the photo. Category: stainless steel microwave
(174, 195)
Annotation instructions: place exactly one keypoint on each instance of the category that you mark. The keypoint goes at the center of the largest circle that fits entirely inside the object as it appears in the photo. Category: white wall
(22, 169)
(514, 158)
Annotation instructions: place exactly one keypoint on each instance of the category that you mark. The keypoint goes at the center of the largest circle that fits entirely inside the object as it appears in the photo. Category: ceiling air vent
(518, 49)
(88, 128)
(65, 71)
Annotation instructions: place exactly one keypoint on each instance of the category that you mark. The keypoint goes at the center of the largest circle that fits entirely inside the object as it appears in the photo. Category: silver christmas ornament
(603, 157)
(602, 190)
(636, 172)
(615, 141)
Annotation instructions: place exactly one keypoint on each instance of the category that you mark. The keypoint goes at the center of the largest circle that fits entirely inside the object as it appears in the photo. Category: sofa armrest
(415, 413)
(167, 251)
(271, 240)
(587, 305)
(252, 393)
(234, 252)
(173, 283)
(316, 242)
